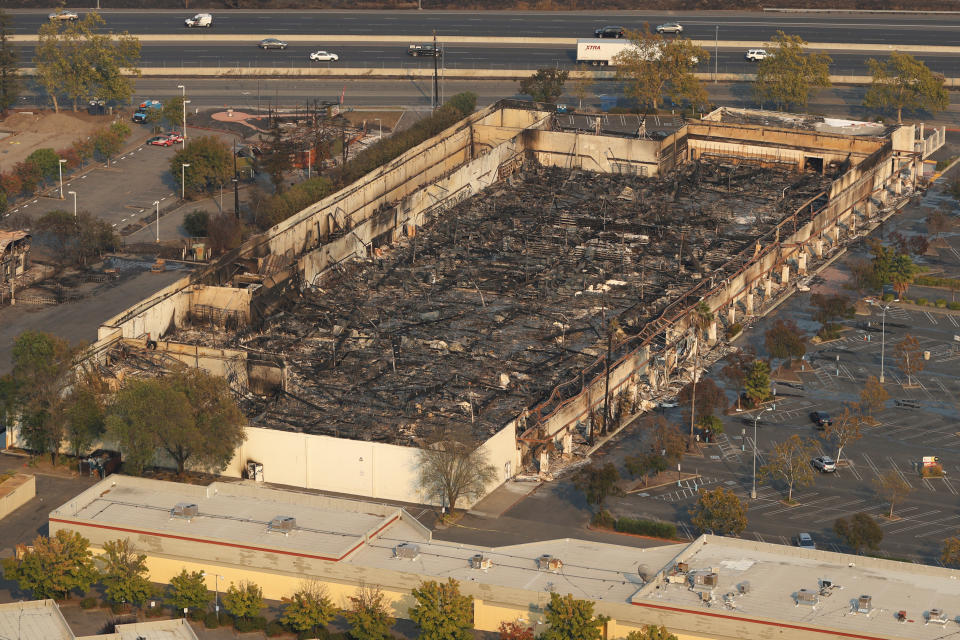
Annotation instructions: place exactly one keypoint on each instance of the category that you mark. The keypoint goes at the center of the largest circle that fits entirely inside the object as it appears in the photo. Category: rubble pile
(488, 307)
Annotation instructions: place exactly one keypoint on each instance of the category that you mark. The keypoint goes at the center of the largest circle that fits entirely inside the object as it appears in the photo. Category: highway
(865, 28)
(457, 56)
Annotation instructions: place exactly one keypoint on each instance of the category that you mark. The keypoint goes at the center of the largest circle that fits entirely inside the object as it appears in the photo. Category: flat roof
(178, 629)
(777, 573)
(235, 513)
(33, 620)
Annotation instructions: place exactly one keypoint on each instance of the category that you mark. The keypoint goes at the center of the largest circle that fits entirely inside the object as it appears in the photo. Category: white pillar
(712, 332)
(767, 287)
(748, 302)
(785, 274)
(802, 263)
(731, 314)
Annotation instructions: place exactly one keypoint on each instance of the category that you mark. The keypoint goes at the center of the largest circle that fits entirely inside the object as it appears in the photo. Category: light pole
(183, 180)
(156, 203)
(716, 47)
(183, 98)
(60, 171)
(74, 194)
(379, 129)
(883, 336)
(753, 490)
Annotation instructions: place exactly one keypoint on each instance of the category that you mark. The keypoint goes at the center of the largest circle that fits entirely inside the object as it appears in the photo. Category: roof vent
(479, 561)
(705, 580)
(936, 616)
(282, 524)
(185, 510)
(865, 604)
(406, 551)
(547, 562)
(808, 598)
(744, 587)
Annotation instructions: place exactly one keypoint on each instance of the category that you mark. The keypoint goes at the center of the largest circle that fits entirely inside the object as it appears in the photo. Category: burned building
(14, 255)
(513, 276)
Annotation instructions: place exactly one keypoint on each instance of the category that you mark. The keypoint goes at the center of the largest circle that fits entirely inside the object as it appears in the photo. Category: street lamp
(716, 47)
(216, 589)
(156, 203)
(183, 180)
(753, 490)
(183, 97)
(883, 334)
(60, 171)
(379, 129)
(74, 194)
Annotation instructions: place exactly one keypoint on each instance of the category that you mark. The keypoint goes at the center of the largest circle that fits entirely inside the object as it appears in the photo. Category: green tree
(211, 164)
(790, 462)
(42, 367)
(902, 272)
(828, 308)
(464, 102)
(572, 619)
(171, 112)
(785, 341)
(873, 396)
(651, 632)
(546, 85)
(655, 67)
(893, 488)
(859, 532)
(757, 382)
(125, 572)
(9, 69)
(85, 419)
(441, 612)
(719, 512)
(881, 262)
(597, 482)
(107, 143)
(454, 466)
(54, 567)
(243, 600)
(788, 76)
(195, 223)
(141, 412)
(367, 614)
(309, 609)
(950, 555)
(79, 61)
(646, 464)
(217, 427)
(901, 82)
(47, 163)
(188, 590)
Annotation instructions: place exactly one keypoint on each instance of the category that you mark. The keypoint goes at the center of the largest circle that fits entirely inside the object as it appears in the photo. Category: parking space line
(872, 466)
(930, 317)
(839, 507)
(949, 485)
(922, 524)
(899, 473)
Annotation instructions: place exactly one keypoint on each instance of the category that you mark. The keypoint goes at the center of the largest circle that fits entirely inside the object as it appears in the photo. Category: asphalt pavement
(918, 28)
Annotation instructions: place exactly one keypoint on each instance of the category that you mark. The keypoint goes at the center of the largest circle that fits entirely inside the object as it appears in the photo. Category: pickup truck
(142, 113)
(417, 50)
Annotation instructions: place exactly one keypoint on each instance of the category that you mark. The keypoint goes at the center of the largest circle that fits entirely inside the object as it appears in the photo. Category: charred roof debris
(489, 307)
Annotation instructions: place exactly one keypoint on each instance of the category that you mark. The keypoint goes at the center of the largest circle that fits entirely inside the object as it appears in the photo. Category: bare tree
(790, 462)
(872, 397)
(844, 430)
(453, 466)
(909, 357)
(893, 488)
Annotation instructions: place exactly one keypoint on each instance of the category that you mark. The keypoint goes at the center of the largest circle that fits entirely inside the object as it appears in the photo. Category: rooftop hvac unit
(744, 587)
(480, 562)
(282, 524)
(864, 604)
(683, 567)
(547, 562)
(406, 551)
(706, 579)
(185, 510)
(936, 616)
(807, 597)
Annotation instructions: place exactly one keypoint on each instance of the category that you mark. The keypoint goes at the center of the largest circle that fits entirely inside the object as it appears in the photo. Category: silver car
(824, 464)
(670, 27)
(272, 43)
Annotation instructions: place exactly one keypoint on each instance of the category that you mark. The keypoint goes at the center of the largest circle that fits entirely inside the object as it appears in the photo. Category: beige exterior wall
(603, 154)
(16, 492)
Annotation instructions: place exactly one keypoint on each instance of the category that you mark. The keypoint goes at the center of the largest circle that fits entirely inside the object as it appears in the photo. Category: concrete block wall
(15, 492)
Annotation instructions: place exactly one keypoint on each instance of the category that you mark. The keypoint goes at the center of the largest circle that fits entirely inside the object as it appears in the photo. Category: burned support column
(802, 263)
(712, 332)
(785, 275)
(732, 314)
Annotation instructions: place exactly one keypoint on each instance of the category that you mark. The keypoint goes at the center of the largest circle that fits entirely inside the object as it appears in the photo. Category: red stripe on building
(780, 625)
(222, 544)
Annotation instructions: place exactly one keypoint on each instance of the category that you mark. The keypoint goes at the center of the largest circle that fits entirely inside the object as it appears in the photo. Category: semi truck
(601, 52)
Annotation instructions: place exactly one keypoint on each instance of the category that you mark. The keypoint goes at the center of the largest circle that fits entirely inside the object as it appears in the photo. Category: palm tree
(700, 318)
(902, 273)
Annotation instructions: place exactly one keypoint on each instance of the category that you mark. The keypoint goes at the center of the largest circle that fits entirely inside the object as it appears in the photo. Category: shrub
(646, 527)
(887, 297)
(941, 303)
(734, 329)
(937, 281)
(953, 305)
(197, 615)
(88, 603)
(154, 612)
(195, 223)
(210, 621)
(244, 625)
(603, 518)
(922, 302)
(275, 628)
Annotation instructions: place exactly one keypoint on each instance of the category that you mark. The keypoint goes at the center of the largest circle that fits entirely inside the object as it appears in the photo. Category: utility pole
(236, 182)
(606, 384)
(436, 78)
(716, 48)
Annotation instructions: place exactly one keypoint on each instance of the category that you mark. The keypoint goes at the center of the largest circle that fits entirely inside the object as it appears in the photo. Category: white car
(324, 56)
(64, 16)
(670, 27)
(756, 55)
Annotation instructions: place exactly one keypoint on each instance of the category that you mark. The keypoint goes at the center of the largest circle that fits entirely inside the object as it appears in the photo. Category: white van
(200, 20)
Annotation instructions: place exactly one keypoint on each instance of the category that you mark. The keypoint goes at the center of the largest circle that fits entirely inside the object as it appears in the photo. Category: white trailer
(602, 51)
